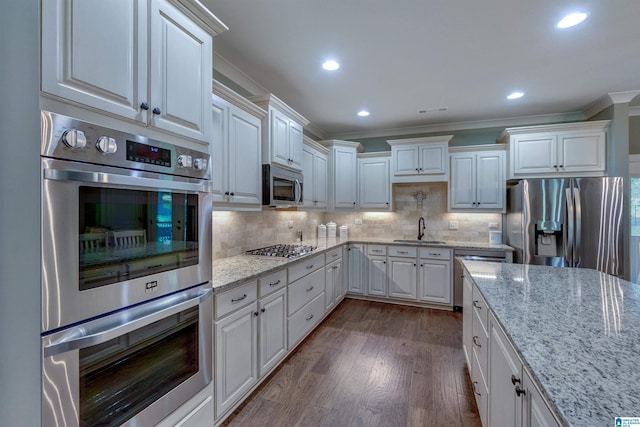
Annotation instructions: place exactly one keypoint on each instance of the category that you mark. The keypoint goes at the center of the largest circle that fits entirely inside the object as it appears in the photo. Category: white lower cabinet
(378, 278)
(357, 269)
(272, 330)
(333, 291)
(196, 412)
(434, 275)
(403, 272)
(306, 300)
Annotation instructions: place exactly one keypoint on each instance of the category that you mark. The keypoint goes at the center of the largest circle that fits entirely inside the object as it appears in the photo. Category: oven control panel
(71, 139)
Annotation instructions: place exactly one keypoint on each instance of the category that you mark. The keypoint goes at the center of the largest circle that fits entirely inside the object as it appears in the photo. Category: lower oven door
(113, 237)
(131, 368)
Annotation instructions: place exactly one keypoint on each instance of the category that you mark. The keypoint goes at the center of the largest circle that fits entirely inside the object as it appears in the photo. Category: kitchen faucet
(421, 229)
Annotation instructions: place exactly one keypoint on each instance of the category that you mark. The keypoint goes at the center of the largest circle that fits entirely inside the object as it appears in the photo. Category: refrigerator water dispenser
(548, 238)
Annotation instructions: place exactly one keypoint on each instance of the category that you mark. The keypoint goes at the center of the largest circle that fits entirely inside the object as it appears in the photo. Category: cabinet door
(435, 281)
(433, 159)
(329, 287)
(490, 180)
(180, 72)
(533, 154)
(273, 330)
(295, 145)
(74, 32)
(236, 356)
(319, 181)
(467, 319)
(280, 138)
(462, 192)
(505, 407)
(402, 277)
(345, 178)
(338, 281)
(535, 411)
(244, 169)
(405, 160)
(219, 149)
(378, 276)
(374, 183)
(308, 189)
(581, 152)
(356, 266)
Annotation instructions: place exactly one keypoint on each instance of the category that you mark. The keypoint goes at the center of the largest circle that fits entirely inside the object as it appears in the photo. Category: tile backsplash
(236, 232)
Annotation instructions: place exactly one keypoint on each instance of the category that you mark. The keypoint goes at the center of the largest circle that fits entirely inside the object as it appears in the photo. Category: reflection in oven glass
(123, 376)
(124, 234)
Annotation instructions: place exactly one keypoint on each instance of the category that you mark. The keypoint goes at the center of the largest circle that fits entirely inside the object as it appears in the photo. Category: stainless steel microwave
(281, 187)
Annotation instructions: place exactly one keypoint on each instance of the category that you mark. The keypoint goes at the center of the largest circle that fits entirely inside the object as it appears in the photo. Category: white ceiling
(401, 56)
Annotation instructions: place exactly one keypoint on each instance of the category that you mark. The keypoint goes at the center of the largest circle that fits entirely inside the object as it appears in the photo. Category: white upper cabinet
(478, 182)
(281, 133)
(314, 172)
(343, 182)
(237, 178)
(568, 149)
(154, 65)
(420, 159)
(374, 182)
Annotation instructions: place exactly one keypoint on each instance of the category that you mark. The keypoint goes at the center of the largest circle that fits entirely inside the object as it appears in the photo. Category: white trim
(236, 75)
(270, 100)
(238, 100)
(315, 131)
(634, 111)
(597, 106)
(374, 154)
(421, 140)
(634, 165)
(314, 144)
(201, 13)
(623, 97)
(456, 126)
(480, 147)
(596, 125)
(338, 143)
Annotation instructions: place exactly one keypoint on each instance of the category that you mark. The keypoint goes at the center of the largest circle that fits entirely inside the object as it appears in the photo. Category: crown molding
(623, 97)
(634, 111)
(596, 125)
(239, 77)
(316, 131)
(201, 14)
(608, 100)
(238, 100)
(456, 126)
(270, 100)
(421, 140)
(339, 143)
(374, 154)
(314, 144)
(481, 147)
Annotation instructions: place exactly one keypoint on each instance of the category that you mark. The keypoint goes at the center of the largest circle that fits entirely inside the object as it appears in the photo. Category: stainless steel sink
(422, 242)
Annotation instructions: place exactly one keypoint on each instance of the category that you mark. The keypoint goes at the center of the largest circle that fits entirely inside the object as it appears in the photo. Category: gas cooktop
(283, 251)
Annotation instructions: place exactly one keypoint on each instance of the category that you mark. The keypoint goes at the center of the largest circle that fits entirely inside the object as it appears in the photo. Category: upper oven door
(112, 238)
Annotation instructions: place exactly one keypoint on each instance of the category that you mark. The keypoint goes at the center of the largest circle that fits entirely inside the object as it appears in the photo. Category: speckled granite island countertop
(578, 332)
(232, 271)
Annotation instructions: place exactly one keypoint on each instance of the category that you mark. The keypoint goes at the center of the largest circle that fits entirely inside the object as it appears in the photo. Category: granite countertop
(578, 332)
(232, 271)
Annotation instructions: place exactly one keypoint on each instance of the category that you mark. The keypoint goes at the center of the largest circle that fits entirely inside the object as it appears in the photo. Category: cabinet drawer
(480, 390)
(435, 253)
(305, 319)
(481, 309)
(305, 267)
(402, 251)
(376, 250)
(272, 282)
(304, 290)
(480, 344)
(333, 254)
(236, 298)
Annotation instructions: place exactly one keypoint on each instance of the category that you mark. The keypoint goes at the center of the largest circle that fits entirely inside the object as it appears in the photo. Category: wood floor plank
(370, 364)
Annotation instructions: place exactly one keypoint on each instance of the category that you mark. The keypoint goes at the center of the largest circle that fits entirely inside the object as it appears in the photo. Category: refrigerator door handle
(577, 258)
(568, 247)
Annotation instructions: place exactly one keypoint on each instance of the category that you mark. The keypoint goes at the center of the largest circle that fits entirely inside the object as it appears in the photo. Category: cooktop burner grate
(283, 251)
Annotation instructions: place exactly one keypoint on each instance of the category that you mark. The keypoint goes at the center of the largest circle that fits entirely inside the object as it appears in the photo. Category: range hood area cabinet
(558, 150)
(478, 181)
(154, 67)
(281, 133)
(420, 159)
(235, 151)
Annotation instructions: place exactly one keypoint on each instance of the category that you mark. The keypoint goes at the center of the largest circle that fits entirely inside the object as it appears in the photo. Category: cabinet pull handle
(514, 380)
(475, 337)
(403, 252)
(144, 106)
(156, 111)
(310, 289)
(520, 391)
(474, 388)
(239, 299)
(310, 317)
(435, 254)
(334, 255)
(275, 283)
(476, 305)
(309, 267)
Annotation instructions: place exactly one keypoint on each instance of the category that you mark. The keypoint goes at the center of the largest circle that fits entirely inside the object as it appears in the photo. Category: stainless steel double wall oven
(126, 282)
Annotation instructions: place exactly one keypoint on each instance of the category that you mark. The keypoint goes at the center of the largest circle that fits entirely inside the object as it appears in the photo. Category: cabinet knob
(417, 170)
(144, 106)
(226, 193)
(555, 166)
(255, 313)
(520, 391)
(156, 111)
(263, 310)
(561, 166)
(232, 194)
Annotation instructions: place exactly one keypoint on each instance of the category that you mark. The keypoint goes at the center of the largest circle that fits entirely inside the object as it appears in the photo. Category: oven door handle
(114, 179)
(75, 342)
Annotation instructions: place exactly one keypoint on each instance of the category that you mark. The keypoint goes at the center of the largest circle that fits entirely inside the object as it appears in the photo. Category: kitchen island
(576, 332)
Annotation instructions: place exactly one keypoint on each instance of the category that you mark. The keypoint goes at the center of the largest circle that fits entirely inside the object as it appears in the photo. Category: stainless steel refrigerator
(567, 222)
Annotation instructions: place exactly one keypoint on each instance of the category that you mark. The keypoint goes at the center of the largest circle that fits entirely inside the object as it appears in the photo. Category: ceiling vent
(432, 110)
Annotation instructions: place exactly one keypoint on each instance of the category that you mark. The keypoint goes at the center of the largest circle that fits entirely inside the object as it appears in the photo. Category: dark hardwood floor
(370, 364)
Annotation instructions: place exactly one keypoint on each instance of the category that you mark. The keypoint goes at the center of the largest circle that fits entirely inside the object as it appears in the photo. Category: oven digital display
(144, 153)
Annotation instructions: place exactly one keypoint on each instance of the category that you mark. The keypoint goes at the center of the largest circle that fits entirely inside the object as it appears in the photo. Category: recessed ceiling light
(515, 95)
(572, 19)
(330, 65)
(363, 113)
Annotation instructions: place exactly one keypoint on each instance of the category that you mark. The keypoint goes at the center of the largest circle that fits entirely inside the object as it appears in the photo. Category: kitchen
(21, 304)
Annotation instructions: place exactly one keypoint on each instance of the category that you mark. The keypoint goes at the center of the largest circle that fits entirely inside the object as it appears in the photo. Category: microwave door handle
(568, 247)
(132, 181)
(97, 337)
(298, 196)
